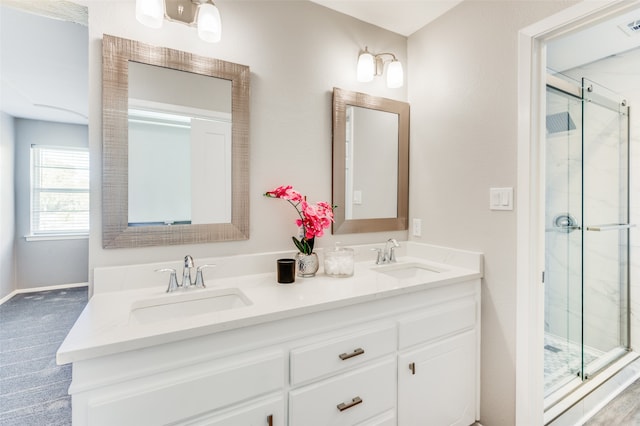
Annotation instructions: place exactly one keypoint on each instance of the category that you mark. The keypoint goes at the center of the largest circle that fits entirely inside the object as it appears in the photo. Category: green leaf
(300, 245)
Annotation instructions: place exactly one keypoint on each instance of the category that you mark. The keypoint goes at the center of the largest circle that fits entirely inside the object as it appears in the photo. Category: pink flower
(286, 193)
(313, 218)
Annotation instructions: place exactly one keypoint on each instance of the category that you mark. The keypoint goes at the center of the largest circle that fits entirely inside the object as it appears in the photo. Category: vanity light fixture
(372, 64)
(202, 14)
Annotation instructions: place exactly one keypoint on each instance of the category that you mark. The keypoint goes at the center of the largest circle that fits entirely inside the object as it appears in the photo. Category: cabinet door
(268, 412)
(437, 383)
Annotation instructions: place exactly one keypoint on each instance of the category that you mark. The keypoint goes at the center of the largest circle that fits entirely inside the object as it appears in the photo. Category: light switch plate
(501, 198)
(357, 197)
(417, 227)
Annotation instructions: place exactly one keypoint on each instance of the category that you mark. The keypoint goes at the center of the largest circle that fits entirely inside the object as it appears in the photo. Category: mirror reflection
(370, 163)
(179, 147)
(175, 147)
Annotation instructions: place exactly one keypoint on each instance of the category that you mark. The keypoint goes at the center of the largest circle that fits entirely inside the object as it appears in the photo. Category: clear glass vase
(307, 264)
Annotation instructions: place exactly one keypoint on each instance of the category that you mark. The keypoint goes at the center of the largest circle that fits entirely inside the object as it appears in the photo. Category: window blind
(59, 190)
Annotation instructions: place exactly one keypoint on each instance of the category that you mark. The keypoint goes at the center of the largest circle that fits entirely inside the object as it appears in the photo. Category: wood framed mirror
(199, 174)
(370, 163)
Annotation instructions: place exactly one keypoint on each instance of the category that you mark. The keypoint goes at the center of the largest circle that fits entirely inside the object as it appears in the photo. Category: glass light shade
(366, 67)
(209, 24)
(395, 77)
(150, 12)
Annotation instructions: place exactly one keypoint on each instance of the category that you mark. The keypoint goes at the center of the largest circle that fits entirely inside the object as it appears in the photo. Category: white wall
(7, 206)
(44, 263)
(297, 51)
(463, 94)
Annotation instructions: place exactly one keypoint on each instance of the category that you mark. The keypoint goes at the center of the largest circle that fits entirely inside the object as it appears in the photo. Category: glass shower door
(606, 228)
(563, 241)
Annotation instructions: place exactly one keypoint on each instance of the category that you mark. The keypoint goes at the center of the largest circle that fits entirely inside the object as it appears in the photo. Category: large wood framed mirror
(175, 147)
(370, 163)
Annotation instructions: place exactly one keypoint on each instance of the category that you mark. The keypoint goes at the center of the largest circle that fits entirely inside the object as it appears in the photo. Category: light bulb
(395, 76)
(150, 12)
(209, 24)
(366, 66)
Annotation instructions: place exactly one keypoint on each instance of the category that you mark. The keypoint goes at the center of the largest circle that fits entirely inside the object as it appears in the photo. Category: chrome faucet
(389, 254)
(186, 276)
(186, 272)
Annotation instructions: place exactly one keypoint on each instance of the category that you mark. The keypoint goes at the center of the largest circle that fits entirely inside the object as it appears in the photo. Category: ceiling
(46, 78)
(400, 16)
(599, 41)
(43, 72)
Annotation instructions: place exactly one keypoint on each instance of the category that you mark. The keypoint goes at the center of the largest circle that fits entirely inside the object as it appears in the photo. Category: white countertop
(105, 326)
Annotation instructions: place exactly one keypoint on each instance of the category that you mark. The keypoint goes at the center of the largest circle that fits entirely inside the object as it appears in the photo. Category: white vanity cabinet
(409, 358)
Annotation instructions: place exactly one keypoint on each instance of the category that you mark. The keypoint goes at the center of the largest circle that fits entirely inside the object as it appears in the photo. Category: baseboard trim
(44, 288)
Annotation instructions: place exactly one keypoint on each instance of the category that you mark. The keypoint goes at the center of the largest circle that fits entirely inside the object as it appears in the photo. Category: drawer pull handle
(356, 352)
(355, 401)
(270, 420)
(412, 367)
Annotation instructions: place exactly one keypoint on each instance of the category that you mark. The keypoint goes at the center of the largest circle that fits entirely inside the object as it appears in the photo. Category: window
(59, 190)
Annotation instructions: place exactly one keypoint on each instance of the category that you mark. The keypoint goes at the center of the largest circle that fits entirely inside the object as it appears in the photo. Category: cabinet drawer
(195, 390)
(346, 399)
(340, 353)
(438, 322)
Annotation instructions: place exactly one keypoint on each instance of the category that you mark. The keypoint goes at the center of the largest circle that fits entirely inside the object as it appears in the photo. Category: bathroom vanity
(395, 344)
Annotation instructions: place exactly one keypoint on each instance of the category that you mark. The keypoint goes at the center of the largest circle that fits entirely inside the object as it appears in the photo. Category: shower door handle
(564, 222)
(610, 227)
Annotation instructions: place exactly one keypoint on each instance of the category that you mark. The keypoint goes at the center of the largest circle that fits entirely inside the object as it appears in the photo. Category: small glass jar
(339, 262)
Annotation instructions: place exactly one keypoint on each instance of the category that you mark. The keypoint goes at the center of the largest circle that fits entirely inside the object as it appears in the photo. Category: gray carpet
(33, 389)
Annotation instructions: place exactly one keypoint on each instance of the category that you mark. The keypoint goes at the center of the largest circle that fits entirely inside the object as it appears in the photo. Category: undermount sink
(186, 304)
(408, 270)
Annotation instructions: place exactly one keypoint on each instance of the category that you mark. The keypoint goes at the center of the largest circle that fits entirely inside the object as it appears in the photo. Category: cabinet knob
(270, 420)
(356, 352)
(412, 367)
(355, 401)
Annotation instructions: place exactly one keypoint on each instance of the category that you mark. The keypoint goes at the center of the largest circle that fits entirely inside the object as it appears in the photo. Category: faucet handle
(173, 281)
(380, 258)
(200, 277)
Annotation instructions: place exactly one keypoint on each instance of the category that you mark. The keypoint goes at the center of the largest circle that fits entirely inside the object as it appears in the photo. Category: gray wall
(44, 263)
(463, 93)
(7, 206)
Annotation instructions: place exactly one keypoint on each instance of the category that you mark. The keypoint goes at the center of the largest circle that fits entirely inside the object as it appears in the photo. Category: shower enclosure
(586, 233)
